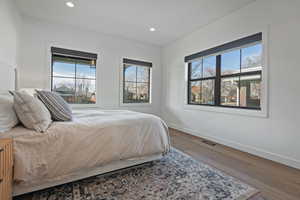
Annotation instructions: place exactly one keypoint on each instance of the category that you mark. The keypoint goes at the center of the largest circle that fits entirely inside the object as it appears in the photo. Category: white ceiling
(133, 18)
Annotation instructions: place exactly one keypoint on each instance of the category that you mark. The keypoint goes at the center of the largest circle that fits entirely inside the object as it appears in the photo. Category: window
(74, 75)
(136, 81)
(229, 75)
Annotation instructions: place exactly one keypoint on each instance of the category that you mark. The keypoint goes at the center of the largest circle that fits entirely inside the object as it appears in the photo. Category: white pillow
(8, 117)
(31, 112)
(30, 91)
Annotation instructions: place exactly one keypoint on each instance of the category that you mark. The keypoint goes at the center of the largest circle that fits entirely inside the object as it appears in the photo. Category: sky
(134, 73)
(68, 70)
(230, 61)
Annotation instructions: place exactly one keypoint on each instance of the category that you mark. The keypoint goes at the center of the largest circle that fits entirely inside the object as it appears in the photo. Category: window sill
(135, 104)
(233, 111)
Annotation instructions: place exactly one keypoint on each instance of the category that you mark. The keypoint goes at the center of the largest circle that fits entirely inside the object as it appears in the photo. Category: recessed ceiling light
(70, 4)
(152, 29)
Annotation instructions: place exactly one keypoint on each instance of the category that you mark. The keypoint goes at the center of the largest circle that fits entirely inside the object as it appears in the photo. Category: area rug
(177, 176)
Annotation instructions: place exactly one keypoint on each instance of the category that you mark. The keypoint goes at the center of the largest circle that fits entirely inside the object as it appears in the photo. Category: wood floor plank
(274, 180)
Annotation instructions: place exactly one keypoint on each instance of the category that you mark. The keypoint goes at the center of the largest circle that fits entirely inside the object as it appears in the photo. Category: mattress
(94, 138)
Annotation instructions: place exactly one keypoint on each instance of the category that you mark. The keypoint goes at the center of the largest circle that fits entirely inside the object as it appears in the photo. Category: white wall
(9, 35)
(276, 137)
(38, 36)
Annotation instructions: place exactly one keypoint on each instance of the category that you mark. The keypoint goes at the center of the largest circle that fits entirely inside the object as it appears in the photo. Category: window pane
(85, 91)
(65, 87)
(209, 66)
(74, 79)
(252, 58)
(195, 88)
(230, 91)
(64, 69)
(129, 95)
(250, 91)
(207, 92)
(142, 74)
(230, 62)
(85, 71)
(142, 93)
(130, 73)
(196, 69)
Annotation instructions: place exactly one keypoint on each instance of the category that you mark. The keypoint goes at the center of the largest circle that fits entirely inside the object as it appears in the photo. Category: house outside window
(229, 75)
(136, 84)
(73, 75)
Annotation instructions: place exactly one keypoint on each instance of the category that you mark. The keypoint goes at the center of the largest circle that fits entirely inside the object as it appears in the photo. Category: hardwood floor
(274, 180)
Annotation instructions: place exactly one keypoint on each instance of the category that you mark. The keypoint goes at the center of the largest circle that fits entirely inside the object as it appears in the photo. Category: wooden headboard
(7, 77)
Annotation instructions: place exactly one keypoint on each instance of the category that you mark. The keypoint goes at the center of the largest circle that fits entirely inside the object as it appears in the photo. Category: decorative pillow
(58, 107)
(8, 117)
(31, 112)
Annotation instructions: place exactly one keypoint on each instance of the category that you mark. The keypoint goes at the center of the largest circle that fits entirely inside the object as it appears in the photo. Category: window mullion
(218, 81)
(240, 78)
(52, 73)
(189, 83)
(124, 68)
(203, 79)
(136, 93)
(75, 94)
(149, 83)
(201, 82)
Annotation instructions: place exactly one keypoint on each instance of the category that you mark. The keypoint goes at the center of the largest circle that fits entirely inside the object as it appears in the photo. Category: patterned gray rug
(177, 176)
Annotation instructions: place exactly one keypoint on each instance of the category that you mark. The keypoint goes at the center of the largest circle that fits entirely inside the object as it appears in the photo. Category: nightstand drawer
(6, 169)
(6, 188)
(6, 161)
(2, 162)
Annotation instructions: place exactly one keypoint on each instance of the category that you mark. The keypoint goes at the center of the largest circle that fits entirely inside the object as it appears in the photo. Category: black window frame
(77, 56)
(200, 79)
(136, 63)
(217, 52)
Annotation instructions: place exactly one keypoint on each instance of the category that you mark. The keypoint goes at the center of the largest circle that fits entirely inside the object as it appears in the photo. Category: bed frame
(85, 173)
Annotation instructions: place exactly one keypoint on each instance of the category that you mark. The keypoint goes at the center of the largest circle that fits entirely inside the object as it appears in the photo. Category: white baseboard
(245, 148)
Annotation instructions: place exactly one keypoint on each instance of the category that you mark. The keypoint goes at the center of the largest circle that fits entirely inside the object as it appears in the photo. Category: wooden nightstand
(6, 169)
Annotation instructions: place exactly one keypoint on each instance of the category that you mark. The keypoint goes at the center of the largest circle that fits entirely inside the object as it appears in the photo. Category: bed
(94, 142)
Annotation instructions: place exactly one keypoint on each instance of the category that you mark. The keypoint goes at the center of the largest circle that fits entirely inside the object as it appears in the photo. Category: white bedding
(93, 138)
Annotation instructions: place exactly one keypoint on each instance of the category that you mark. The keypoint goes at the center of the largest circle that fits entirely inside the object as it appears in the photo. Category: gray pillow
(58, 107)
(31, 112)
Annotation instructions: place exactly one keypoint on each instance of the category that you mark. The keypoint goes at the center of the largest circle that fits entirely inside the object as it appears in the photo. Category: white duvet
(93, 138)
